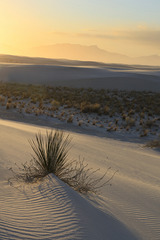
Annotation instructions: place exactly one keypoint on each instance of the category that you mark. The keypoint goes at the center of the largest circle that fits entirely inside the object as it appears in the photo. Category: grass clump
(51, 156)
(51, 153)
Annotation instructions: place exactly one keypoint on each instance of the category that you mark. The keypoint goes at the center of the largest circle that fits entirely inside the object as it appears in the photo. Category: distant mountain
(78, 55)
(79, 52)
(90, 53)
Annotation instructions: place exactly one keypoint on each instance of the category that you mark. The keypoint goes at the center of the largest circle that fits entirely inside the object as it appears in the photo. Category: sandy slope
(111, 76)
(129, 209)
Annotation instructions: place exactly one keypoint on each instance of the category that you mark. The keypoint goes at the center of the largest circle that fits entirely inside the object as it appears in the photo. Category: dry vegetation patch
(126, 110)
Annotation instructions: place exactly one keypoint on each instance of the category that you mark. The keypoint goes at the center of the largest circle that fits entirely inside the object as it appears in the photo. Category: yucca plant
(51, 156)
(50, 153)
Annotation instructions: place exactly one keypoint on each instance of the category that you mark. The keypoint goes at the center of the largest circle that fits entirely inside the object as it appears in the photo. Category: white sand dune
(111, 76)
(129, 209)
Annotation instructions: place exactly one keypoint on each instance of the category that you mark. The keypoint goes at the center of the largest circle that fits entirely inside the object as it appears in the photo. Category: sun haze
(125, 27)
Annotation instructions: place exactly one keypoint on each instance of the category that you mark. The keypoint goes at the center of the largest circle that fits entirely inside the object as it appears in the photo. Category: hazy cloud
(61, 33)
(152, 36)
(141, 35)
(148, 36)
(89, 35)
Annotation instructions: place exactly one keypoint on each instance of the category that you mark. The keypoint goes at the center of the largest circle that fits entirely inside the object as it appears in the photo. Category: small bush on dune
(51, 156)
(70, 119)
(130, 121)
(154, 143)
(55, 104)
(82, 178)
(50, 153)
(90, 108)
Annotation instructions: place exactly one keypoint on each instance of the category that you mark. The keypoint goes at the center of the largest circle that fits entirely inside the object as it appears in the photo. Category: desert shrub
(83, 178)
(154, 143)
(2, 99)
(131, 112)
(80, 123)
(124, 116)
(130, 121)
(106, 109)
(89, 107)
(116, 121)
(144, 133)
(94, 122)
(70, 119)
(34, 100)
(9, 100)
(51, 156)
(127, 128)
(141, 115)
(95, 107)
(110, 128)
(141, 122)
(28, 110)
(8, 105)
(149, 123)
(40, 104)
(55, 104)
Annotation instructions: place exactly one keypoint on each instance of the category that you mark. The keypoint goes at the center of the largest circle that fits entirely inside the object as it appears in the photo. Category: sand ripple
(42, 211)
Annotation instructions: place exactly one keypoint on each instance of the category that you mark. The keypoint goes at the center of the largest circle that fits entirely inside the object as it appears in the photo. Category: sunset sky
(130, 27)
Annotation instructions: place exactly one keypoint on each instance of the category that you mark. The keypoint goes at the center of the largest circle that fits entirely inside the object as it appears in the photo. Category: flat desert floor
(110, 76)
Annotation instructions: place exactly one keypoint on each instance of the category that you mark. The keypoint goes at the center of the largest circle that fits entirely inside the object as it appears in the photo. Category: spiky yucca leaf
(51, 152)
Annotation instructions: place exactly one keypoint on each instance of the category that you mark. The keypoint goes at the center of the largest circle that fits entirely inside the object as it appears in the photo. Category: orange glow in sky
(123, 26)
